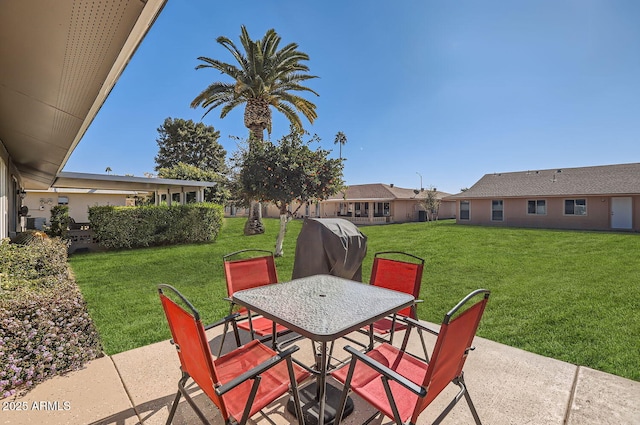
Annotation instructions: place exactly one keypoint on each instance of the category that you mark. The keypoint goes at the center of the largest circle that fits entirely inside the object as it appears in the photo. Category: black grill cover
(330, 246)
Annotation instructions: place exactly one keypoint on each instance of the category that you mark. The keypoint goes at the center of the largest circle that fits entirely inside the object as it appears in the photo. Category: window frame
(468, 211)
(536, 206)
(501, 211)
(575, 205)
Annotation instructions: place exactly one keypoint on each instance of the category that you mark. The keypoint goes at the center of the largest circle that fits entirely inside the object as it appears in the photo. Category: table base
(310, 405)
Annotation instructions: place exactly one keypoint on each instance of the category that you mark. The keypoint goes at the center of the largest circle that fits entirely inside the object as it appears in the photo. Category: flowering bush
(45, 329)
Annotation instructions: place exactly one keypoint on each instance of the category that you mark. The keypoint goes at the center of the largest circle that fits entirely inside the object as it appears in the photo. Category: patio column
(371, 207)
(169, 197)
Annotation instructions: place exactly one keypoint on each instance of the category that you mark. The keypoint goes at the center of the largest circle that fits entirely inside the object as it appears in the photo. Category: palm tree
(108, 170)
(340, 139)
(265, 77)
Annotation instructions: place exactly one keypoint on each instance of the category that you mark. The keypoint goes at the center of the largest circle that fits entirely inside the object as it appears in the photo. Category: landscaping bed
(45, 329)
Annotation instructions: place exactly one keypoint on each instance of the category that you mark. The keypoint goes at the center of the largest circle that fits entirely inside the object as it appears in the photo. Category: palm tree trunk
(254, 224)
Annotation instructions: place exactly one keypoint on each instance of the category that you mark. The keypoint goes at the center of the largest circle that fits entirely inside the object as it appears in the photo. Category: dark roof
(379, 192)
(600, 180)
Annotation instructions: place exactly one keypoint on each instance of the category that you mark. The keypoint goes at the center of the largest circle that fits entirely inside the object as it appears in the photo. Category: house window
(538, 206)
(465, 208)
(63, 200)
(497, 208)
(357, 209)
(386, 209)
(575, 207)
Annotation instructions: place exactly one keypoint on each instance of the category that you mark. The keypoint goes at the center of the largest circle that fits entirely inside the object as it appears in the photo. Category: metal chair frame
(226, 259)
(387, 374)
(254, 374)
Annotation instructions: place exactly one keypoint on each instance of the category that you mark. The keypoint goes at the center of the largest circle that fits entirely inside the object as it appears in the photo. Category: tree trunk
(284, 219)
(254, 225)
(257, 118)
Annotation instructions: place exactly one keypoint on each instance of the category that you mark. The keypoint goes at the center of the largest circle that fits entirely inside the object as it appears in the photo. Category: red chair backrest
(400, 276)
(451, 349)
(249, 273)
(193, 349)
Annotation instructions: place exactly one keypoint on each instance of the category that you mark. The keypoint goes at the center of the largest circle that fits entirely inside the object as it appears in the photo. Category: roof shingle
(599, 180)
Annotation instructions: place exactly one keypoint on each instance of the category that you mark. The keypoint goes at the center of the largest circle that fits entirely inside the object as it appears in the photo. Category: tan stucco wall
(515, 214)
(79, 203)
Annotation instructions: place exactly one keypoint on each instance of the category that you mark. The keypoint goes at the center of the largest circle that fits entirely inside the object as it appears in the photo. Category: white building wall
(41, 202)
(4, 203)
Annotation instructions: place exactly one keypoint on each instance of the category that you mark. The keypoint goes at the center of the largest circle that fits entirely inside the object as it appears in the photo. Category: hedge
(45, 329)
(152, 225)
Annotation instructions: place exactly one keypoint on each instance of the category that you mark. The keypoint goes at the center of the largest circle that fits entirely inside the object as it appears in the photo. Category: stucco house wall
(515, 214)
(10, 201)
(41, 202)
(610, 193)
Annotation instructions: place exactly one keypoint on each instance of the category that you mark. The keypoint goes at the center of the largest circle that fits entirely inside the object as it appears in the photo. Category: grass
(570, 295)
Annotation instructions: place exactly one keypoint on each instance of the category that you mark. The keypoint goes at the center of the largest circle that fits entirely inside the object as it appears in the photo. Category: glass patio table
(322, 308)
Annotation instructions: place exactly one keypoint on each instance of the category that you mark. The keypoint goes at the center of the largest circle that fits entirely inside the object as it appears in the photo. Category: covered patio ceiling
(68, 180)
(59, 61)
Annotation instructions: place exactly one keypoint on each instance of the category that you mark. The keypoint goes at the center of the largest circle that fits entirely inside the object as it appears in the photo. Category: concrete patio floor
(507, 385)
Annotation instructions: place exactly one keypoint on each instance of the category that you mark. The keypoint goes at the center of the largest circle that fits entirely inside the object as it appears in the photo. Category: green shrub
(59, 222)
(151, 225)
(45, 329)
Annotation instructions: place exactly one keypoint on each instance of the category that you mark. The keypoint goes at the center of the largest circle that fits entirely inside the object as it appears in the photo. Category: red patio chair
(245, 269)
(401, 272)
(400, 385)
(240, 383)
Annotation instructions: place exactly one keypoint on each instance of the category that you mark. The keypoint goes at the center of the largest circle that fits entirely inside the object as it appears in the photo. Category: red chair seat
(274, 382)
(261, 326)
(367, 383)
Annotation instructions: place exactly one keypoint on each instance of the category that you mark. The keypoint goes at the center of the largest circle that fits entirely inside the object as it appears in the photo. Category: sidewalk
(507, 385)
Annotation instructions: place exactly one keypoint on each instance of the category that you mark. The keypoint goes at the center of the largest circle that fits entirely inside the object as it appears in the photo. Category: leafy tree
(196, 144)
(265, 77)
(181, 171)
(341, 139)
(289, 172)
(431, 203)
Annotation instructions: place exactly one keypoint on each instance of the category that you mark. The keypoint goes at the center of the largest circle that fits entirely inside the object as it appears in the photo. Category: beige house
(378, 203)
(59, 62)
(40, 203)
(71, 189)
(595, 198)
(374, 203)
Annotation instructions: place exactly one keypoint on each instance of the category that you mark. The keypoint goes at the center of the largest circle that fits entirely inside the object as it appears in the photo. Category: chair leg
(345, 393)
(187, 397)
(294, 390)
(424, 345)
(224, 335)
(467, 397)
(174, 407)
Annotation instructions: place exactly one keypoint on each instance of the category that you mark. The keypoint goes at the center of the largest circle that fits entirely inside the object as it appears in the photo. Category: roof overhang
(107, 182)
(60, 60)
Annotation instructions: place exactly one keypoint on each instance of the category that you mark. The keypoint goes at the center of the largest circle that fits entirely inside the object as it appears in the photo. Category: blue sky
(449, 90)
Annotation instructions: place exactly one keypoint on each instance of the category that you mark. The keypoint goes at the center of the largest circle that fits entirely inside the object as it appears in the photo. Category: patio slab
(93, 395)
(507, 385)
(601, 398)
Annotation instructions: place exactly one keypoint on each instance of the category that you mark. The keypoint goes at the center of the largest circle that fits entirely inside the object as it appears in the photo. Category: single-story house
(59, 62)
(374, 203)
(383, 203)
(596, 198)
(71, 189)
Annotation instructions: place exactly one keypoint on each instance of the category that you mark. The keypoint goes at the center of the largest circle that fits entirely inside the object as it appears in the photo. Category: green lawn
(570, 295)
